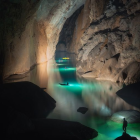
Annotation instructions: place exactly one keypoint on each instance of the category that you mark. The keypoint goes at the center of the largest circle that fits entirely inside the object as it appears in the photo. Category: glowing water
(98, 96)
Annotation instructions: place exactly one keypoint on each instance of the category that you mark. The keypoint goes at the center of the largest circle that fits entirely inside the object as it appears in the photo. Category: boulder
(27, 98)
(131, 94)
(82, 110)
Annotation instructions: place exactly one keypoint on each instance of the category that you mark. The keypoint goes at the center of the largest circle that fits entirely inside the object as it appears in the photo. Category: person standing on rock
(124, 125)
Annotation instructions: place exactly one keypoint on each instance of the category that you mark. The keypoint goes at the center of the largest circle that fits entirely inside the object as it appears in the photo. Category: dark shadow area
(51, 129)
(126, 136)
(24, 108)
(131, 94)
(82, 110)
(116, 56)
(27, 98)
(124, 75)
(66, 34)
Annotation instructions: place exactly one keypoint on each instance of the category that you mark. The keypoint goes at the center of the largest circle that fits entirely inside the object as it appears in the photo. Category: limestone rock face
(107, 42)
(30, 31)
(105, 35)
(91, 11)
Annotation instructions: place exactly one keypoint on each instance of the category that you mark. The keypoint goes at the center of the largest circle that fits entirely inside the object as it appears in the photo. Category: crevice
(87, 72)
(116, 56)
(124, 75)
(109, 31)
(110, 69)
(90, 38)
(129, 35)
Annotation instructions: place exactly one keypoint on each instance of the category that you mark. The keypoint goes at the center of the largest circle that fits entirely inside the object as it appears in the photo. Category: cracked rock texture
(106, 40)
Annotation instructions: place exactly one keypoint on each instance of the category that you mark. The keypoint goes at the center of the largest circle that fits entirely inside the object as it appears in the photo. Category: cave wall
(106, 40)
(18, 41)
(105, 36)
(30, 31)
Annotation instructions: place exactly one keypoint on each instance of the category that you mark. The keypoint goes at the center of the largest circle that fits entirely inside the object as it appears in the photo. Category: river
(98, 96)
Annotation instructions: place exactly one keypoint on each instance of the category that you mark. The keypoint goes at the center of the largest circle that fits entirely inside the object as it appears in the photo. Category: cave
(74, 50)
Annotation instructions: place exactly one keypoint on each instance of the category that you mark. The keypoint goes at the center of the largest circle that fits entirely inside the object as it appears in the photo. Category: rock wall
(105, 35)
(18, 41)
(30, 31)
(106, 40)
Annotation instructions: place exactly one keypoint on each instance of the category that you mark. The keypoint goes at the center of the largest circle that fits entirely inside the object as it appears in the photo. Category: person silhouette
(124, 125)
(67, 83)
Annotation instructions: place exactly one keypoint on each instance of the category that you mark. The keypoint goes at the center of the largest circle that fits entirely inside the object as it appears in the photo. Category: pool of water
(98, 96)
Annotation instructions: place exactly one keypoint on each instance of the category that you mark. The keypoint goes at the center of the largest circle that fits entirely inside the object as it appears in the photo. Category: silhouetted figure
(124, 125)
(67, 83)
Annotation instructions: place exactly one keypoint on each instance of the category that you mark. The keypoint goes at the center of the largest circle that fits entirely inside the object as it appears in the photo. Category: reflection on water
(38, 76)
(101, 98)
(98, 96)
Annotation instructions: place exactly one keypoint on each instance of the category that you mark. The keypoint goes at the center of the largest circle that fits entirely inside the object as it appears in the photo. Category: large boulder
(27, 98)
(131, 94)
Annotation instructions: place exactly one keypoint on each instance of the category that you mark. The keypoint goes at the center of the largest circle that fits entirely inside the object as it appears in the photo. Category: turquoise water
(98, 96)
